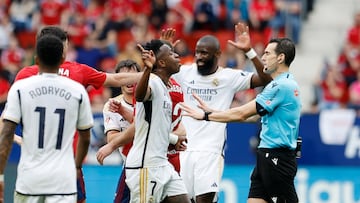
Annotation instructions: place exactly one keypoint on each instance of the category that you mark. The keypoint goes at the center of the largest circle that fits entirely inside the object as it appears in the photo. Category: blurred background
(327, 67)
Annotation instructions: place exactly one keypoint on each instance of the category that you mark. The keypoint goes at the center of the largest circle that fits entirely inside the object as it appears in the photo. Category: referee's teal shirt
(280, 125)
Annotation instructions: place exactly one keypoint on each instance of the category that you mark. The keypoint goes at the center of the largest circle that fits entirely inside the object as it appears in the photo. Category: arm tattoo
(6, 141)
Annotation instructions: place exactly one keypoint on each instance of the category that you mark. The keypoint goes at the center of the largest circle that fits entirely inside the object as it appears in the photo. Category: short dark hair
(285, 46)
(128, 63)
(154, 45)
(49, 50)
(53, 30)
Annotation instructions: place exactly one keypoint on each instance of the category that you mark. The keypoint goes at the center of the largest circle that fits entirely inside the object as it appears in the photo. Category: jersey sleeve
(85, 120)
(26, 72)
(241, 79)
(12, 109)
(271, 96)
(92, 76)
(114, 121)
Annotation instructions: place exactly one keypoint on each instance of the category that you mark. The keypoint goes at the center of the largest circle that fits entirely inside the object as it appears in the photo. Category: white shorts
(20, 198)
(201, 172)
(154, 184)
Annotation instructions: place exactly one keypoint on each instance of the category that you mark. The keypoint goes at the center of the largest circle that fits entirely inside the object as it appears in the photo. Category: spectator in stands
(159, 10)
(349, 59)
(119, 14)
(354, 94)
(142, 30)
(21, 12)
(4, 88)
(353, 34)
(260, 14)
(186, 9)
(78, 29)
(288, 17)
(205, 15)
(237, 11)
(103, 37)
(176, 20)
(89, 54)
(51, 12)
(333, 89)
(12, 58)
(231, 57)
(94, 10)
(6, 31)
(349, 62)
(130, 52)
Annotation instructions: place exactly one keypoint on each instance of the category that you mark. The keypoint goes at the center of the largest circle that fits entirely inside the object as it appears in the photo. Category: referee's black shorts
(273, 176)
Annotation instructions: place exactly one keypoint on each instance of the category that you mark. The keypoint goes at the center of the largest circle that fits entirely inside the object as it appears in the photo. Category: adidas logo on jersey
(214, 185)
(192, 82)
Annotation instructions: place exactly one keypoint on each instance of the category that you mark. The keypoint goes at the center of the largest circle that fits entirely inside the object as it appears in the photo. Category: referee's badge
(215, 82)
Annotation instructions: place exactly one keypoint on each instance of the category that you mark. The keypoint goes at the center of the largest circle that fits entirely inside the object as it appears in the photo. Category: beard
(206, 68)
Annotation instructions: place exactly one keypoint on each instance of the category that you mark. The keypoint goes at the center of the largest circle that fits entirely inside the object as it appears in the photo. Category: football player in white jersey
(50, 108)
(216, 86)
(149, 175)
(115, 123)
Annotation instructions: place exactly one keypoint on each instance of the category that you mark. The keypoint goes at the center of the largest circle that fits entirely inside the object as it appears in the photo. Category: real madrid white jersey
(115, 121)
(51, 108)
(217, 90)
(153, 123)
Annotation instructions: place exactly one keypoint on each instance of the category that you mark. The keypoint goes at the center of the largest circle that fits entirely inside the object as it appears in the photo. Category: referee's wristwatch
(206, 115)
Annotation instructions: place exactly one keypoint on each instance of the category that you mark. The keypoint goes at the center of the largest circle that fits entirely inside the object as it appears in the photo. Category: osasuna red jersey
(177, 97)
(81, 73)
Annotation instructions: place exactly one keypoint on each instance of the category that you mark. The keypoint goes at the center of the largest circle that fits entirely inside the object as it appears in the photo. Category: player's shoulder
(26, 72)
(233, 73)
(74, 64)
(188, 67)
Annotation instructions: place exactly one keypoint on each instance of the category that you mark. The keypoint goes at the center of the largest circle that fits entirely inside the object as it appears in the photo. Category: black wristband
(206, 115)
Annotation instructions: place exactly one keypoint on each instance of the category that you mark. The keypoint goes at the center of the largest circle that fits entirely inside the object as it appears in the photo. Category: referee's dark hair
(49, 51)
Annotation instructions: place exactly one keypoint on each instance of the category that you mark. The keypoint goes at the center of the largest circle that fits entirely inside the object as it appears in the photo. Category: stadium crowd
(104, 32)
(338, 85)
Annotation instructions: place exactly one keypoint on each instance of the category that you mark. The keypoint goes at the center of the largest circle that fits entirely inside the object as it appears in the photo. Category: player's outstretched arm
(120, 139)
(237, 114)
(121, 79)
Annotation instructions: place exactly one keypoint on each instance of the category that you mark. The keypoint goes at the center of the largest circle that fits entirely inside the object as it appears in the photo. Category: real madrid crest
(215, 81)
